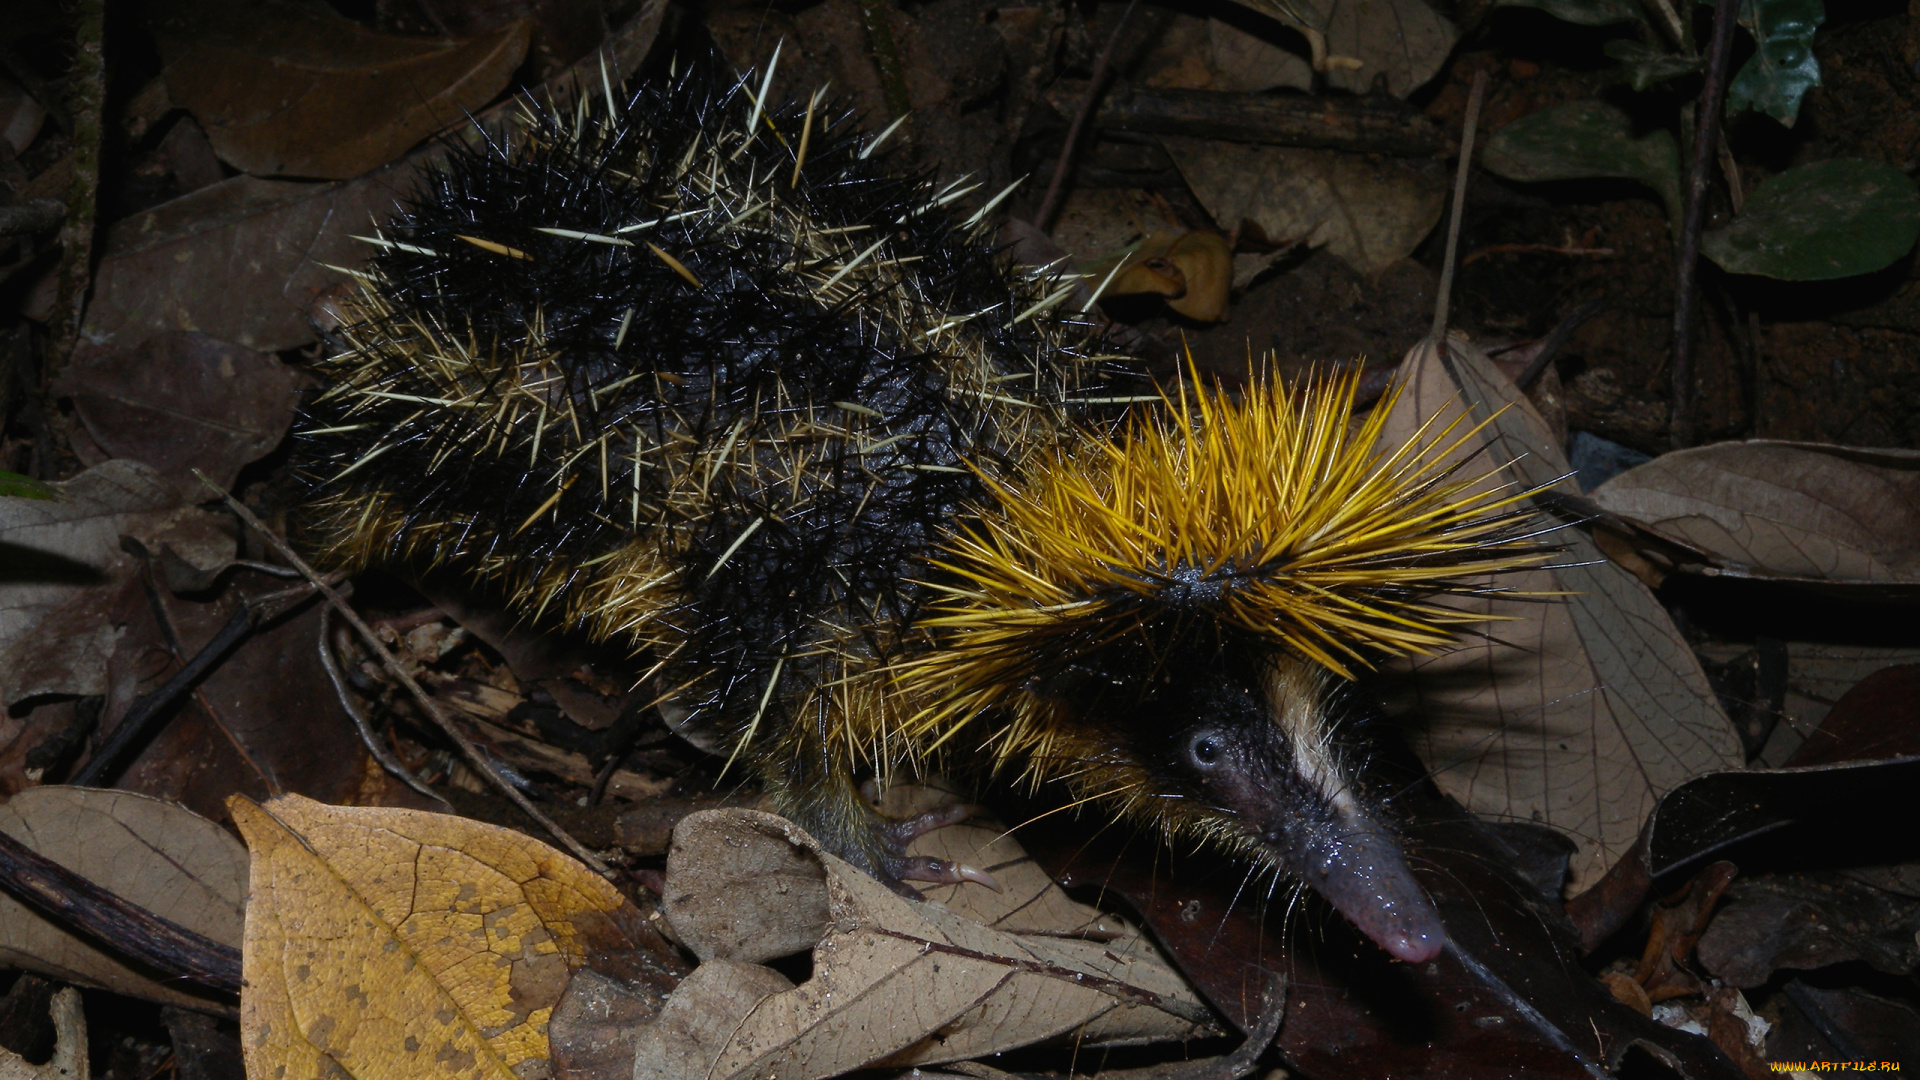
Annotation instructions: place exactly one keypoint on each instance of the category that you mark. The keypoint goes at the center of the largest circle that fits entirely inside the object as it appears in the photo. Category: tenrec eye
(1205, 751)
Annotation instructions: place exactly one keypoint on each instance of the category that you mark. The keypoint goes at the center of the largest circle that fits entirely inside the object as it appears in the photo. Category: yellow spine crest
(1278, 516)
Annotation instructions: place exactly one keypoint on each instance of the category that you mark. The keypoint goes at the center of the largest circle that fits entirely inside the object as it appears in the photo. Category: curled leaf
(1193, 270)
(1368, 211)
(1783, 68)
(297, 90)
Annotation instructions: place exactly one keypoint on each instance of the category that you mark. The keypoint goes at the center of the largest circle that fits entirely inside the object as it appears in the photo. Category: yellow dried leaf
(385, 943)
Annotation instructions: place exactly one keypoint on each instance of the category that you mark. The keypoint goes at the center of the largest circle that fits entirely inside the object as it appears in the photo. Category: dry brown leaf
(1800, 511)
(1583, 711)
(895, 982)
(1369, 211)
(162, 857)
(65, 565)
(289, 89)
(245, 259)
(1405, 40)
(242, 260)
(69, 1060)
(380, 940)
(181, 402)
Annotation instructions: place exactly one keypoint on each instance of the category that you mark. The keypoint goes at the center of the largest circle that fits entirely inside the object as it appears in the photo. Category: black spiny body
(633, 365)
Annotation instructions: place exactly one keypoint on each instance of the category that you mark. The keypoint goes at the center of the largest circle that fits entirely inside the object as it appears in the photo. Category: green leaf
(1783, 67)
(1584, 139)
(1834, 219)
(1581, 12)
(1647, 66)
(15, 486)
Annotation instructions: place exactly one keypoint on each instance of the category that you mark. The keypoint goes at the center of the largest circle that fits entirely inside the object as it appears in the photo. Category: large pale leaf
(1782, 68)
(160, 856)
(379, 940)
(1368, 211)
(1581, 140)
(1585, 708)
(1831, 219)
(1405, 40)
(894, 981)
(1805, 511)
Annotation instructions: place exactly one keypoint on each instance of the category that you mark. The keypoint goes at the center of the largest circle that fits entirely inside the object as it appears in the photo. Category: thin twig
(475, 757)
(139, 719)
(1556, 341)
(1050, 205)
(375, 745)
(1533, 249)
(164, 617)
(87, 98)
(1706, 140)
(1471, 122)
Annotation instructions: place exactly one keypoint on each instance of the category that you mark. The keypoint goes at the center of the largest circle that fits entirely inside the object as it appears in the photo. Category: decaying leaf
(1368, 210)
(894, 982)
(69, 1060)
(1798, 511)
(152, 853)
(181, 402)
(380, 939)
(289, 89)
(64, 566)
(1588, 706)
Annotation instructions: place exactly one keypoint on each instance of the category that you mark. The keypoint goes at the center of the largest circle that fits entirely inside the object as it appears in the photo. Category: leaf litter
(251, 250)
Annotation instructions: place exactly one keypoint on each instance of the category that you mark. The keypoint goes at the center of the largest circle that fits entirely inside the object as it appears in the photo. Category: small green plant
(1810, 223)
(15, 486)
